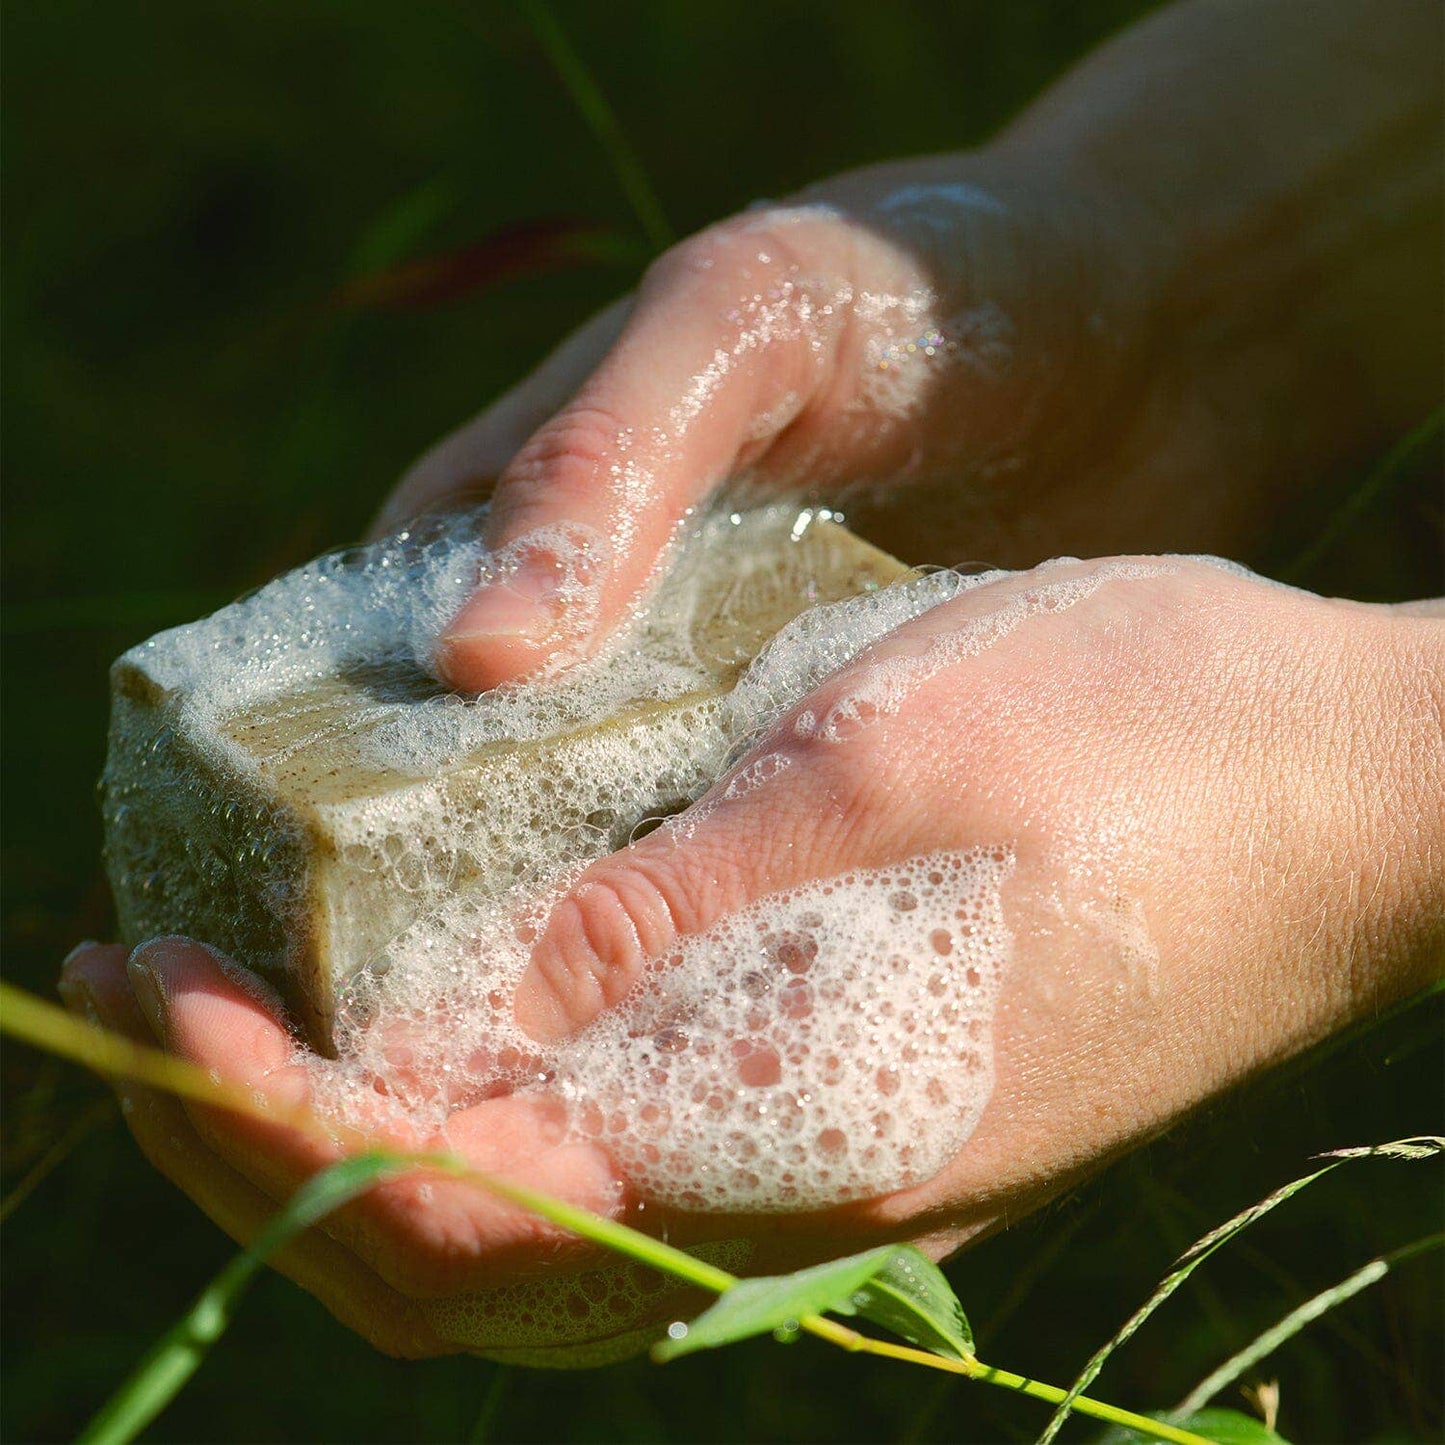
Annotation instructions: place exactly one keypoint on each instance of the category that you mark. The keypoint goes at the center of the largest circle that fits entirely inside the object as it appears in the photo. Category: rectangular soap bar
(287, 780)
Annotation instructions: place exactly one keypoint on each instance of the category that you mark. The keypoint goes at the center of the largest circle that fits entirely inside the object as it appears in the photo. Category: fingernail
(522, 605)
(75, 952)
(145, 967)
(79, 998)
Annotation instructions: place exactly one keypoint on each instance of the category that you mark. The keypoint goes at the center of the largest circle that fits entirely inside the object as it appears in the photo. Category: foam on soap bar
(288, 780)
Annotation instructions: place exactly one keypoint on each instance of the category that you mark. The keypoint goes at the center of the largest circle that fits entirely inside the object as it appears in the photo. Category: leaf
(400, 228)
(526, 248)
(179, 1352)
(1224, 1427)
(1425, 1147)
(911, 1297)
(770, 1302)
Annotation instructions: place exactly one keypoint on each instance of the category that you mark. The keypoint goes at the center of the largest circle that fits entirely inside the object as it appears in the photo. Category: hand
(1115, 328)
(1219, 799)
(889, 334)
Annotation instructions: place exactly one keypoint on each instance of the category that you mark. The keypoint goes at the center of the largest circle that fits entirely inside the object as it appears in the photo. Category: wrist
(1406, 927)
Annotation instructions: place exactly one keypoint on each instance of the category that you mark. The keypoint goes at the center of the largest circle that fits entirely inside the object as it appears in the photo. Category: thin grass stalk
(1395, 464)
(601, 120)
(1296, 1320)
(1417, 1148)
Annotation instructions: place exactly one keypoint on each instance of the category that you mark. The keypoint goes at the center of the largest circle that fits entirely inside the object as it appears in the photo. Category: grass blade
(1394, 466)
(1192, 1258)
(402, 226)
(601, 121)
(1223, 1427)
(179, 1352)
(481, 1431)
(80, 1129)
(1298, 1318)
(45, 1026)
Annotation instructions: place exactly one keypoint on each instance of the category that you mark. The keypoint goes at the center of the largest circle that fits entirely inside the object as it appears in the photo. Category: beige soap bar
(288, 782)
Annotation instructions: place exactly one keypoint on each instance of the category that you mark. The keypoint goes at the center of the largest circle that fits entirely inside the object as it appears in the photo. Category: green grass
(187, 412)
(895, 1287)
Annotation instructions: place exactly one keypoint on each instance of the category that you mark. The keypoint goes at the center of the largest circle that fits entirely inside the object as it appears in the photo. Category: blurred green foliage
(188, 184)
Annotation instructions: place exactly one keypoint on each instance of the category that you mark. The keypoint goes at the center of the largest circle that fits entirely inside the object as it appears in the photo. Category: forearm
(1283, 161)
(1213, 247)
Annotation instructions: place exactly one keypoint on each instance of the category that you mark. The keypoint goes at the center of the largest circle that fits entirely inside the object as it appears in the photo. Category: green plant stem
(664, 1257)
(1422, 1147)
(49, 1027)
(46, 1026)
(607, 1232)
(601, 120)
(975, 1369)
(179, 1353)
(99, 1113)
(487, 1417)
(1297, 1319)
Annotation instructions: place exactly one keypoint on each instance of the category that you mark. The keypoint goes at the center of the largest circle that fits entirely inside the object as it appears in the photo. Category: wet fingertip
(480, 661)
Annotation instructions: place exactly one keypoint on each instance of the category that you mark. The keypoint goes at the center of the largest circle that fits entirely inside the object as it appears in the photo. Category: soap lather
(288, 781)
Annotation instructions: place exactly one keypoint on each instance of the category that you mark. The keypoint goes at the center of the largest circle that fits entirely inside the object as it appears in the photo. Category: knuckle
(729, 257)
(599, 938)
(572, 452)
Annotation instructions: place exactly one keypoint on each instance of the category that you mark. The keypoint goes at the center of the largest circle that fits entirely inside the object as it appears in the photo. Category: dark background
(189, 408)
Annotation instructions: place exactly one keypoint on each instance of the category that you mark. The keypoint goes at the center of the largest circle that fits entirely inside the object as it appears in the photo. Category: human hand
(874, 339)
(1218, 802)
(1116, 327)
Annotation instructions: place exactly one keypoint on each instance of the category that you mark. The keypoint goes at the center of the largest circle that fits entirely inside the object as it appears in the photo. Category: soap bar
(288, 781)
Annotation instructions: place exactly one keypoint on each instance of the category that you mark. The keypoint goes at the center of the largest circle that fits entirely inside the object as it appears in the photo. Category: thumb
(718, 356)
(796, 811)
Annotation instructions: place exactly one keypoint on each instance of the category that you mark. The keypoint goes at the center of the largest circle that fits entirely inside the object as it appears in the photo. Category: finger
(424, 1233)
(462, 467)
(94, 983)
(722, 352)
(805, 805)
(185, 995)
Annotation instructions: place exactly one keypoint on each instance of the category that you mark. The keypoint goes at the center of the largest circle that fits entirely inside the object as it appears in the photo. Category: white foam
(882, 687)
(827, 1043)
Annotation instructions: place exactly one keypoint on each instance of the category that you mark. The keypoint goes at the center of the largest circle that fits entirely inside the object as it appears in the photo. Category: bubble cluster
(827, 1043)
(577, 1321)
